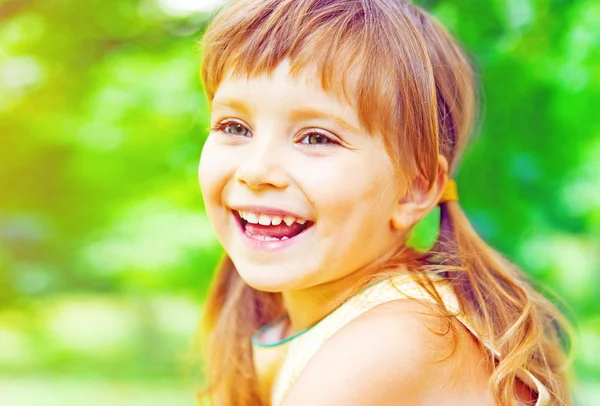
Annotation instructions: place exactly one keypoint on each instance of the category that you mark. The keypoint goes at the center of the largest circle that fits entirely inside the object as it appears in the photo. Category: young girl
(336, 127)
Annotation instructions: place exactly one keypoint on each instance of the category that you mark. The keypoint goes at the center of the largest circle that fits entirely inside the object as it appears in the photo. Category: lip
(270, 210)
(268, 246)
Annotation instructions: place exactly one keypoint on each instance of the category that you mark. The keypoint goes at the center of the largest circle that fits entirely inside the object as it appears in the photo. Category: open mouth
(268, 227)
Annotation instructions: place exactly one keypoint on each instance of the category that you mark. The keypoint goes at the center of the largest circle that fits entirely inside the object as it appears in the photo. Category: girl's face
(298, 193)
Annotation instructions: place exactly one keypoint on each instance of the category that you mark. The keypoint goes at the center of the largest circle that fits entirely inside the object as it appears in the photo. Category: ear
(421, 198)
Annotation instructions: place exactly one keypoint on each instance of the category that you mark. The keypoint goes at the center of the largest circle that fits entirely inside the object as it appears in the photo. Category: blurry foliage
(102, 120)
(102, 117)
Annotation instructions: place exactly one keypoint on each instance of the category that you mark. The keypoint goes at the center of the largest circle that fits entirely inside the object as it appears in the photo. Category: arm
(396, 353)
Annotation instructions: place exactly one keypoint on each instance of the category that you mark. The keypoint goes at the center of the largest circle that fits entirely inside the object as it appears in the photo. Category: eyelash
(221, 126)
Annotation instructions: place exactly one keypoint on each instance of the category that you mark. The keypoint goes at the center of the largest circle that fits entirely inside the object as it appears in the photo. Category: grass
(68, 391)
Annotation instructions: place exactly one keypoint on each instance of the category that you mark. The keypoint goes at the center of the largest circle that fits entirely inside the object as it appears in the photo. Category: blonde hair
(411, 82)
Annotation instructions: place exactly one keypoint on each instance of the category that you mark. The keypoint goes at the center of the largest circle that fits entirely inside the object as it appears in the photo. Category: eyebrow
(305, 114)
(233, 104)
(301, 114)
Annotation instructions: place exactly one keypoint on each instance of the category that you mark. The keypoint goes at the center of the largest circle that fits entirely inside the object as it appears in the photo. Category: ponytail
(525, 328)
(508, 314)
(233, 312)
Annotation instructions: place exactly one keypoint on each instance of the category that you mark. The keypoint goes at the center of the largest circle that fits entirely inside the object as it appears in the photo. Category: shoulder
(399, 350)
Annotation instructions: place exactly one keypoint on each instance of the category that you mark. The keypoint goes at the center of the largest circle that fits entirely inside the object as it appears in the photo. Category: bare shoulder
(399, 352)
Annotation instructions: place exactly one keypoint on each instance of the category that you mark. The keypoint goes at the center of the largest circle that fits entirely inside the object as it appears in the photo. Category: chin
(274, 279)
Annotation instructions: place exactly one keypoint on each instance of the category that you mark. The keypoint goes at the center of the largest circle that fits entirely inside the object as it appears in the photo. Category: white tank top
(278, 362)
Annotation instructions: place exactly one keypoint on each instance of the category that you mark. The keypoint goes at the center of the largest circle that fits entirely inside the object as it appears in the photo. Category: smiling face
(298, 193)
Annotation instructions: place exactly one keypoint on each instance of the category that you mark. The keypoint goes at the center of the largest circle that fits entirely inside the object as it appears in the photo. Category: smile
(271, 227)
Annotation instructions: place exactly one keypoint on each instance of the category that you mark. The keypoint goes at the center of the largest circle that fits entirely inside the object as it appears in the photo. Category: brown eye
(236, 129)
(316, 139)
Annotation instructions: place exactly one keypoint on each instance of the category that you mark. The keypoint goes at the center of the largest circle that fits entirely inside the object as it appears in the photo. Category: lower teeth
(269, 238)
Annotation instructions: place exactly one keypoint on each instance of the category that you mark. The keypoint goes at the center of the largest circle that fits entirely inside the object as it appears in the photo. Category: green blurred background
(105, 250)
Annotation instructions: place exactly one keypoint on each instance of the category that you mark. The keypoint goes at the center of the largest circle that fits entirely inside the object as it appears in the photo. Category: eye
(233, 128)
(236, 129)
(316, 139)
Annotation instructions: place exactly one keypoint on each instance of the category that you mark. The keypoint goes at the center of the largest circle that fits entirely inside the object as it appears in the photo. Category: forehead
(308, 79)
(284, 90)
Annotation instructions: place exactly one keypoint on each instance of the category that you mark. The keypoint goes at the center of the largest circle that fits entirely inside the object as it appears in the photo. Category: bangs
(369, 52)
(251, 38)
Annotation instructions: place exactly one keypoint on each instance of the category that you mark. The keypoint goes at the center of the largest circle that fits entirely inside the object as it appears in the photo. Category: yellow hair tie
(450, 193)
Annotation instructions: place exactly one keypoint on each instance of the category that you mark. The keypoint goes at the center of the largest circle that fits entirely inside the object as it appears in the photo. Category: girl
(336, 126)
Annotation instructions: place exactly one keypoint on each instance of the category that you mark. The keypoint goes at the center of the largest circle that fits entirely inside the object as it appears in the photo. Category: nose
(262, 166)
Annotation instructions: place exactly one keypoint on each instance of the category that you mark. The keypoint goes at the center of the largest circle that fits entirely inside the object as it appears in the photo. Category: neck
(307, 307)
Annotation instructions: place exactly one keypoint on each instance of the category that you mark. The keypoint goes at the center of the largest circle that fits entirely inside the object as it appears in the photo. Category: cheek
(212, 171)
(350, 186)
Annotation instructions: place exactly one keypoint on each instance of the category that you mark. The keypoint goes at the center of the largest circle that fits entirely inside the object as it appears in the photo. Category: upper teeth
(267, 219)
